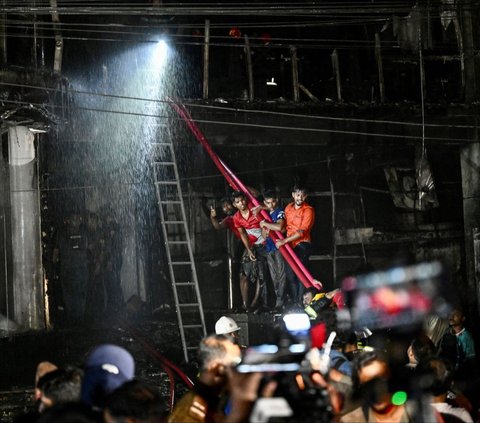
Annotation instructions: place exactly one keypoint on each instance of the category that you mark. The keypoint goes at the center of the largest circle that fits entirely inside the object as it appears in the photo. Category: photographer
(219, 386)
(298, 373)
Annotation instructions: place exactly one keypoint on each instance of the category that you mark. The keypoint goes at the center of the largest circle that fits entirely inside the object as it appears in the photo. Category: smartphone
(287, 355)
(271, 358)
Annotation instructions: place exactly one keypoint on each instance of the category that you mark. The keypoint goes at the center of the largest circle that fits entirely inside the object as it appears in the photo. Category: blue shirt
(275, 215)
(465, 344)
(339, 362)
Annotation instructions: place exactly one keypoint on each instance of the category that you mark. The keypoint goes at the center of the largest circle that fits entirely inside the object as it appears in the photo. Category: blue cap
(107, 368)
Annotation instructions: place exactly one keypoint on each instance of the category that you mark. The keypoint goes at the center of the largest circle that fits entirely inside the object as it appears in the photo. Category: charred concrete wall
(377, 140)
(362, 216)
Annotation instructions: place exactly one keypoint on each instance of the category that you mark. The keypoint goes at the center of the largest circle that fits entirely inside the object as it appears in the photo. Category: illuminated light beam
(161, 52)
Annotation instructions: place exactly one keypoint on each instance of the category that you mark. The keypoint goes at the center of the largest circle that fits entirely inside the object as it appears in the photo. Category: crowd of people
(410, 375)
(104, 390)
(423, 371)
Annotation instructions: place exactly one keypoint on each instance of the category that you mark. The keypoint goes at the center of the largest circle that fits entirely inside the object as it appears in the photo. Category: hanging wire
(422, 103)
(201, 25)
(154, 39)
(279, 127)
(422, 88)
(118, 184)
(273, 40)
(376, 13)
(223, 108)
(364, 9)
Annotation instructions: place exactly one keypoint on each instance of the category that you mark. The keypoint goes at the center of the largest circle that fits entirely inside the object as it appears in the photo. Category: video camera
(398, 298)
(394, 304)
(395, 301)
(285, 361)
(286, 354)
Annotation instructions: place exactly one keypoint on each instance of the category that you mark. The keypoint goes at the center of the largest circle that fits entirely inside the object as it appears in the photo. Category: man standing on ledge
(275, 261)
(299, 217)
(255, 257)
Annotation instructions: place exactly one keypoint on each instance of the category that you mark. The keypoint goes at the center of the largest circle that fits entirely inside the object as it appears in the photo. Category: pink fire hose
(287, 252)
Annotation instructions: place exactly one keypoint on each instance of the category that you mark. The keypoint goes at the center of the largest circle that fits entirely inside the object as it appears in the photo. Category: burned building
(372, 105)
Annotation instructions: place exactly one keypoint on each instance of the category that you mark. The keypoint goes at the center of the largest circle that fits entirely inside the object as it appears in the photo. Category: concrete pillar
(470, 166)
(27, 271)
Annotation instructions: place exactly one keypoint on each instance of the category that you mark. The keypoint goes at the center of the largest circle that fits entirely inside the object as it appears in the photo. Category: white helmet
(225, 325)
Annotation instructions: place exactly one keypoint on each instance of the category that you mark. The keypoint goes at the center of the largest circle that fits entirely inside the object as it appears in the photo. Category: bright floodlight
(161, 52)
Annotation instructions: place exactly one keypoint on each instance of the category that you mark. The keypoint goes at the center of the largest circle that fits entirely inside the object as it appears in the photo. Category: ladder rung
(192, 348)
(164, 163)
(329, 257)
(173, 222)
(185, 283)
(166, 183)
(177, 242)
(192, 326)
(321, 257)
(189, 305)
(170, 202)
(177, 263)
(162, 144)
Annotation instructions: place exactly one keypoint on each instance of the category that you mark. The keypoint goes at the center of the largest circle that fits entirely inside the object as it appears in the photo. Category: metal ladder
(183, 274)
